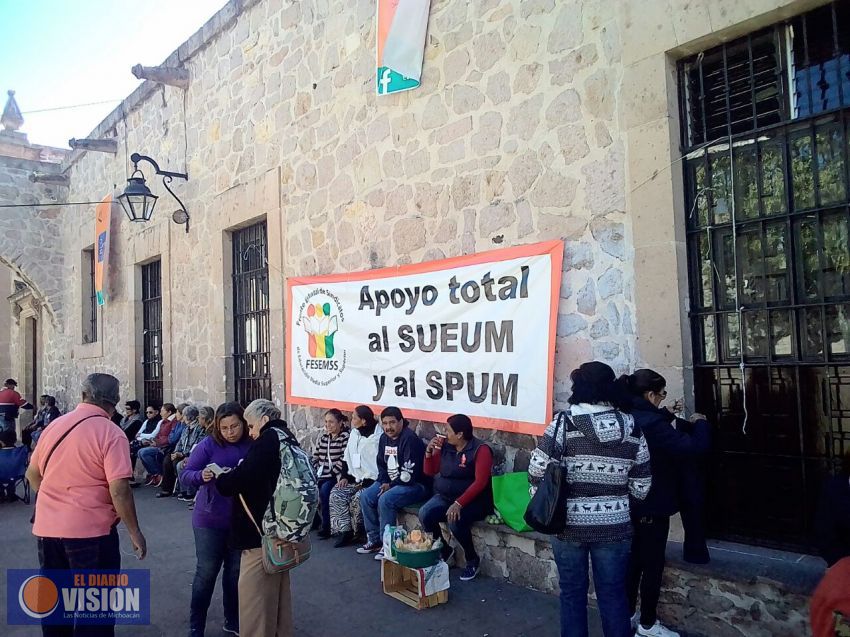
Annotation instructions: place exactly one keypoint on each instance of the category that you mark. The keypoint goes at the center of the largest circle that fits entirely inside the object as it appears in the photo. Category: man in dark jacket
(400, 482)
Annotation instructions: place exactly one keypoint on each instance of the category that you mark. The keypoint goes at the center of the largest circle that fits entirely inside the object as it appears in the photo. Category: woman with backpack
(265, 603)
(226, 445)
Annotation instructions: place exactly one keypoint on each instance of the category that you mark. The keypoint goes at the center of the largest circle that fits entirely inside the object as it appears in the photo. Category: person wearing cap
(11, 403)
(81, 470)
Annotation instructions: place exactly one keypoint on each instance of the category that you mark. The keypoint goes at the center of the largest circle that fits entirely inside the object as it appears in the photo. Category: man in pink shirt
(81, 469)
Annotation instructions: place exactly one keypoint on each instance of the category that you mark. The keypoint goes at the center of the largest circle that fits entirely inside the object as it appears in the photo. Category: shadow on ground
(337, 592)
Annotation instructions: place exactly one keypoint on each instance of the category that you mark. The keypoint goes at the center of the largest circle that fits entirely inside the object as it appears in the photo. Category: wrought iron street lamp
(137, 199)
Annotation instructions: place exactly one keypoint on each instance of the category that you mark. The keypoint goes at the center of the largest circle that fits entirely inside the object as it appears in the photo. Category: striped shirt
(606, 461)
(328, 455)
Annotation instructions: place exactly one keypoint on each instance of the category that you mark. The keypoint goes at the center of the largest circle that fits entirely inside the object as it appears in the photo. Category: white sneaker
(635, 620)
(658, 630)
(380, 556)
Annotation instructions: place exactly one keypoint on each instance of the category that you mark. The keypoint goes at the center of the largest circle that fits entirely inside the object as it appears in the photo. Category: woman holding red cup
(462, 467)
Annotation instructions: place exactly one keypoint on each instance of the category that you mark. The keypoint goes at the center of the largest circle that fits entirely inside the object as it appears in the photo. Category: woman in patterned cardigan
(605, 460)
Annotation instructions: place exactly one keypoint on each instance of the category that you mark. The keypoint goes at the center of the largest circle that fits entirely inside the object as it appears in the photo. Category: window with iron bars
(89, 300)
(767, 173)
(152, 333)
(251, 342)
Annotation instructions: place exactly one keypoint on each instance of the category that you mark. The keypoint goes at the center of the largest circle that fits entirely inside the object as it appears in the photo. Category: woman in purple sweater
(211, 516)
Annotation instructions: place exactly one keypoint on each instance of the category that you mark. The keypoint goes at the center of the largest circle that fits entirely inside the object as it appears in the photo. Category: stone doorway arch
(25, 311)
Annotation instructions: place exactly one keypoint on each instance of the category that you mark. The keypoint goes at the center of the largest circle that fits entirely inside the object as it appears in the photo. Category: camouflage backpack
(296, 496)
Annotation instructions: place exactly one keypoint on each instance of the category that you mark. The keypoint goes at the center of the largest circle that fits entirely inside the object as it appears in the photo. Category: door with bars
(152, 333)
(767, 174)
(251, 341)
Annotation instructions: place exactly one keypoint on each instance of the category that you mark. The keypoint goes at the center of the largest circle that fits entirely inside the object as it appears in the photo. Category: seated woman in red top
(462, 466)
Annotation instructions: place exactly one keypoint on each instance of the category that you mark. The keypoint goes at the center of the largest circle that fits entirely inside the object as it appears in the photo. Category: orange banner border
(555, 250)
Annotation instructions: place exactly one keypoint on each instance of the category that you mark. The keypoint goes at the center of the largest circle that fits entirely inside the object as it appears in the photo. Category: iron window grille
(767, 175)
(251, 342)
(90, 299)
(152, 333)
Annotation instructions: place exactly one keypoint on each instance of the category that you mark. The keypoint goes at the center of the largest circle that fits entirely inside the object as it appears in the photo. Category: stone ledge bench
(744, 592)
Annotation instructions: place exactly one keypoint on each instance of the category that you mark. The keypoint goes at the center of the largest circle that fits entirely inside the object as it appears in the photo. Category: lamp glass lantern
(137, 199)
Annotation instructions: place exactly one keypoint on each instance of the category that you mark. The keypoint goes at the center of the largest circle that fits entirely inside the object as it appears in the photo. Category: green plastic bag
(511, 498)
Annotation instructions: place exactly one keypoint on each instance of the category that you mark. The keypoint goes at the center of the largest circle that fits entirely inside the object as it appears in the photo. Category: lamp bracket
(167, 177)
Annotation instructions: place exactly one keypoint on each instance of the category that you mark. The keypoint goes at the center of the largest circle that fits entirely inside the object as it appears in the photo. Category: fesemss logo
(321, 317)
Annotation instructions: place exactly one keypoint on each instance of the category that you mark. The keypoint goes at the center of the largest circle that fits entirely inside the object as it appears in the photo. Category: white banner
(473, 335)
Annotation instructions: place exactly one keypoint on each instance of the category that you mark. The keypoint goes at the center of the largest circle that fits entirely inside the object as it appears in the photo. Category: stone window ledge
(795, 572)
(89, 350)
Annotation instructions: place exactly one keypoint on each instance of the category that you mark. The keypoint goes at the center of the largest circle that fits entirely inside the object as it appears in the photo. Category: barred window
(767, 175)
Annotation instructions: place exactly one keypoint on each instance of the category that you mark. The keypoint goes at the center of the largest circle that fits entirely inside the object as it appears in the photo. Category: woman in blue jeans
(606, 460)
(226, 446)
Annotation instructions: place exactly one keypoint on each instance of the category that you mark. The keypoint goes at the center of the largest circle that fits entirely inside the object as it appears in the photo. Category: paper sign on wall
(402, 25)
(103, 212)
(472, 334)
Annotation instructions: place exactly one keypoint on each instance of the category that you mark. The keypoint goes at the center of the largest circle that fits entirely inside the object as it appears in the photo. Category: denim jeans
(610, 563)
(212, 552)
(380, 510)
(326, 485)
(102, 553)
(152, 458)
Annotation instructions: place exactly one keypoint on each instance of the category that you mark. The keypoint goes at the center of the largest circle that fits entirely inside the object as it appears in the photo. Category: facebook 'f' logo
(384, 82)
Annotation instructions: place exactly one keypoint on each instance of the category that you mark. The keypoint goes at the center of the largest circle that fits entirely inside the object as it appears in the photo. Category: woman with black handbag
(603, 459)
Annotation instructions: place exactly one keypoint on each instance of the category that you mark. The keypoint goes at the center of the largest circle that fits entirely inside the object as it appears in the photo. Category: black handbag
(547, 511)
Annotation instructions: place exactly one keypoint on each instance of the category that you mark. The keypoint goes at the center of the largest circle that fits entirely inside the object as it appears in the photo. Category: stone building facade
(535, 120)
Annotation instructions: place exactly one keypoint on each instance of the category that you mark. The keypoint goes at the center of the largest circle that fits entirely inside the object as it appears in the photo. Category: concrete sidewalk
(337, 592)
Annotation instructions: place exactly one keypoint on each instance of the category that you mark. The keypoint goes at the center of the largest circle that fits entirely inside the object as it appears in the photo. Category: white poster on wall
(472, 334)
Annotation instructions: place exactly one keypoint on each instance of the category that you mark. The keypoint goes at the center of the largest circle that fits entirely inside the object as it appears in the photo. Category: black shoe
(344, 540)
(134, 484)
(471, 570)
(324, 534)
(163, 494)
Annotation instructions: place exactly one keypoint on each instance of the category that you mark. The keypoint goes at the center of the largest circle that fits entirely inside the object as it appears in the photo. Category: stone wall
(739, 607)
(30, 236)
(31, 240)
(512, 138)
(535, 120)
